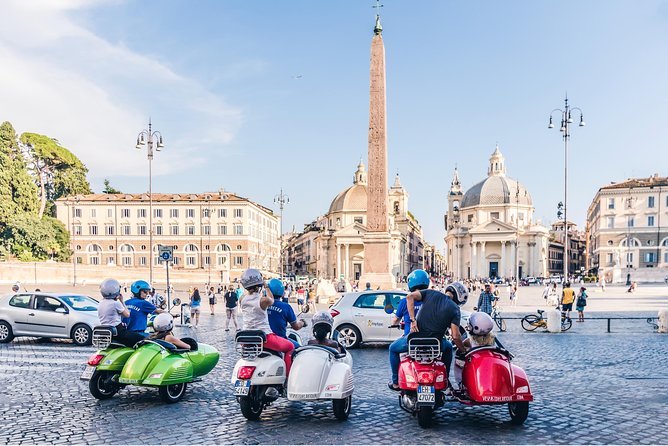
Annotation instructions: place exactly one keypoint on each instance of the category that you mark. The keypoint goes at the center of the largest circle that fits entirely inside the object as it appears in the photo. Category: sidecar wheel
(342, 408)
(101, 385)
(172, 393)
(518, 412)
(250, 408)
(424, 416)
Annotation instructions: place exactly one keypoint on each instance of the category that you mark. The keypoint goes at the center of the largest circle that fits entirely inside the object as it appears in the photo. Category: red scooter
(488, 377)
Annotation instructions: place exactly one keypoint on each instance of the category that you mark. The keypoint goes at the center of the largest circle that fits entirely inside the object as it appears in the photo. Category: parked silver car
(48, 315)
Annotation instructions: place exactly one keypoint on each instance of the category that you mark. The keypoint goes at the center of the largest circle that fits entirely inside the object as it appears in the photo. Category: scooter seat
(272, 352)
(250, 336)
(169, 346)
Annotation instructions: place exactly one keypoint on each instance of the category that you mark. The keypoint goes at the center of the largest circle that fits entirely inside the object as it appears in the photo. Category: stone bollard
(663, 321)
(553, 320)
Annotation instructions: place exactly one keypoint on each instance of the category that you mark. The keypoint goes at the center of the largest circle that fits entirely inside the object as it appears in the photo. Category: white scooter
(317, 373)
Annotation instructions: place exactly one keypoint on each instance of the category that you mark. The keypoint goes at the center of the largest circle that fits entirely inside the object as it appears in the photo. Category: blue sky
(263, 95)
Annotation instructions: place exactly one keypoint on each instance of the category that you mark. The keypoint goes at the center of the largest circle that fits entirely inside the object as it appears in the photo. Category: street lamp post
(71, 206)
(282, 199)
(566, 120)
(146, 137)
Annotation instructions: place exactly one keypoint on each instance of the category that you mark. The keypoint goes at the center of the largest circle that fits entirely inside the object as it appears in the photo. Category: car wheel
(6, 333)
(82, 334)
(349, 336)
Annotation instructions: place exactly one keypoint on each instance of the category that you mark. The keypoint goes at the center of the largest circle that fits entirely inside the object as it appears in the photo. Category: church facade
(490, 229)
(332, 246)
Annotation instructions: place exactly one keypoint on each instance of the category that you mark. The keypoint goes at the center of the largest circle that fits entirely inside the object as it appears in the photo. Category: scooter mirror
(389, 309)
(176, 302)
(305, 308)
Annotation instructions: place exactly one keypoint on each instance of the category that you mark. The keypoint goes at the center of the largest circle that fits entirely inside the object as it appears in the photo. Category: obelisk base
(377, 270)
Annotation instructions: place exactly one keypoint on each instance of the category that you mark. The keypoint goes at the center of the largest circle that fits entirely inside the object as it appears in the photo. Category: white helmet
(460, 292)
(480, 323)
(163, 322)
(110, 288)
(322, 317)
(250, 278)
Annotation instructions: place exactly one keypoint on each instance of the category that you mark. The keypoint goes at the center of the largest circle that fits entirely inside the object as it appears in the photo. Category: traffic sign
(165, 253)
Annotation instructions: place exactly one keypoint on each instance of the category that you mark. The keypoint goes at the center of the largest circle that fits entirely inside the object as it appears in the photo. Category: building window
(110, 213)
(77, 212)
(611, 203)
(470, 218)
(205, 213)
(126, 261)
(190, 213)
(238, 260)
(94, 261)
(238, 213)
(109, 230)
(206, 230)
(238, 230)
(222, 213)
(125, 213)
(494, 215)
(141, 213)
(649, 257)
(157, 213)
(238, 247)
(650, 220)
(650, 202)
(173, 229)
(77, 229)
(609, 242)
(174, 213)
(610, 258)
(359, 220)
(125, 229)
(141, 229)
(142, 261)
(157, 229)
(630, 221)
(190, 260)
(207, 260)
(93, 213)
(222, 229)
(629, 258)
(665, 257)
(611, 222)
(92, 230)
(190, 229)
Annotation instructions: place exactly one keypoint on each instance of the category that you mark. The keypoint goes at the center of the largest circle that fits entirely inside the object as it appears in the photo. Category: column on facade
(474, 259)
(512, 258)
(338, 261)
(532, 254)
(483, 271)
(502, 270)
(347, 266)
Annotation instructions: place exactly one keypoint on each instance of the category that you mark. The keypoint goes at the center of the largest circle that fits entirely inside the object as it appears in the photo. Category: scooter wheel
(250, 408)
(172, 393)
(519, 412)
(424, 416)
(101, 386)
(342, 408)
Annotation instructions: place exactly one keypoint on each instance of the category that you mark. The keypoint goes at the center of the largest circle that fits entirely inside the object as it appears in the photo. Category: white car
(361, 317)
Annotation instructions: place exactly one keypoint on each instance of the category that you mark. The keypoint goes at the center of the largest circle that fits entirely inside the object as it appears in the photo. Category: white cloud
(61, 79)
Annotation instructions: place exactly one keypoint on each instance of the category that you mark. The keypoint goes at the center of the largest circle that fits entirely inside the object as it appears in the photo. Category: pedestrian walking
(581, 303)
(212, 300)
(601, 280)
(231, 301)
(567, 298)
(195, 303)
(552, 297)
(486, 300)
(513, 295)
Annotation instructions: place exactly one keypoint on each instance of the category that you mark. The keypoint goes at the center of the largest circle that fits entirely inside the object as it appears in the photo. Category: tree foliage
(109, 189)
(56, 171)
(35, 238)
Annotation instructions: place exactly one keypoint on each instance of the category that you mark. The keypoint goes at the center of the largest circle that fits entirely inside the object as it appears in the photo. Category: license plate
(88, 372)
(242, 387)
(425, 394)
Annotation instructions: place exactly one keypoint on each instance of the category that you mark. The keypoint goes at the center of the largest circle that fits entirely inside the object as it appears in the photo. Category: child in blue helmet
(139, 307)
(281, 314)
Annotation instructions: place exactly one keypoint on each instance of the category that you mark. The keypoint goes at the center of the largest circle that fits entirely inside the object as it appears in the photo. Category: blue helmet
(139, 285)
(418, 280)
(276, 287)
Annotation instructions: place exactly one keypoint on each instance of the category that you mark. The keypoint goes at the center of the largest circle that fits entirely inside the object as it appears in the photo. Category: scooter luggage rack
(249, 347)
(424, 350)
(102, 337)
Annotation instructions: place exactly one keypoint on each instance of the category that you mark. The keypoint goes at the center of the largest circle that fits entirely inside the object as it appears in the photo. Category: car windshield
(80, 303)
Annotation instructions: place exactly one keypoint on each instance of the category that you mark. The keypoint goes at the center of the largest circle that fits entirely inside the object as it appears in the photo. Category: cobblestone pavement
(589, 387)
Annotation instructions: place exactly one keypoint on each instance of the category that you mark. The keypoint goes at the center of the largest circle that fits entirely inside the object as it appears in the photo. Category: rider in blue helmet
(139, 307)
(280, 313)
(438, 313)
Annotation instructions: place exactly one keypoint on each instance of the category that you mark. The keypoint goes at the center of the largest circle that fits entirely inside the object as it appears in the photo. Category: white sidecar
(322, 373)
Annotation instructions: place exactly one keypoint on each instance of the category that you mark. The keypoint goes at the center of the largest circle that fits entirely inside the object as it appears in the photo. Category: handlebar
(394, 326)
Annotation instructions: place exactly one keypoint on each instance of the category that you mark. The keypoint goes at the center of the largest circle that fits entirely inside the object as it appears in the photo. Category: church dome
(354, 197)
(496, 188)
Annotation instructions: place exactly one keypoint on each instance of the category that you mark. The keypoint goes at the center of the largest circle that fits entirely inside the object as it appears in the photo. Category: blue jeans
(401, 346)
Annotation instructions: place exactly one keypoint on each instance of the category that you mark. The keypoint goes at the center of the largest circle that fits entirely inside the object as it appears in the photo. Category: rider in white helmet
(163, 325)
(479, 327)
(323, 323)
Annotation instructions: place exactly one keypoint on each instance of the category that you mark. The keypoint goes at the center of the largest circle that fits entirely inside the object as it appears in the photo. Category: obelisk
(377, 269)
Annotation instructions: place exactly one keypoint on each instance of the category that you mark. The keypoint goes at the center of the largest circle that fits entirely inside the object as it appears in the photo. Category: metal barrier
(649, 320)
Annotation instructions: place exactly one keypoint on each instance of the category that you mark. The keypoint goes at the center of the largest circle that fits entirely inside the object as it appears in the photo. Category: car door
(370, 317)
(394, 299)
(18, 309)
(49, 318)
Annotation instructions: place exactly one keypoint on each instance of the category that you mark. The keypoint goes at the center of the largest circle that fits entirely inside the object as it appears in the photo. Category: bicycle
(498, 320)
(530, 322)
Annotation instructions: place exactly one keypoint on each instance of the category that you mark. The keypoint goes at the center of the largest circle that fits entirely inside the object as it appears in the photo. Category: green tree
(56, 171)
(109, 189)
(33, 238)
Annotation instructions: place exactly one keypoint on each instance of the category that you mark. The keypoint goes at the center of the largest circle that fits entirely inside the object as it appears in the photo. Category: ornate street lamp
(146, 137)
(282, 199)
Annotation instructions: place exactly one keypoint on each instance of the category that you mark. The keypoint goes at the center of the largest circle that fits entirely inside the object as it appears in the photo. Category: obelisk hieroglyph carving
(377, 268)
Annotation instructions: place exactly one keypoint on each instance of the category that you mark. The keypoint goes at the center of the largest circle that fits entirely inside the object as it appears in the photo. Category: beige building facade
(219, 231)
